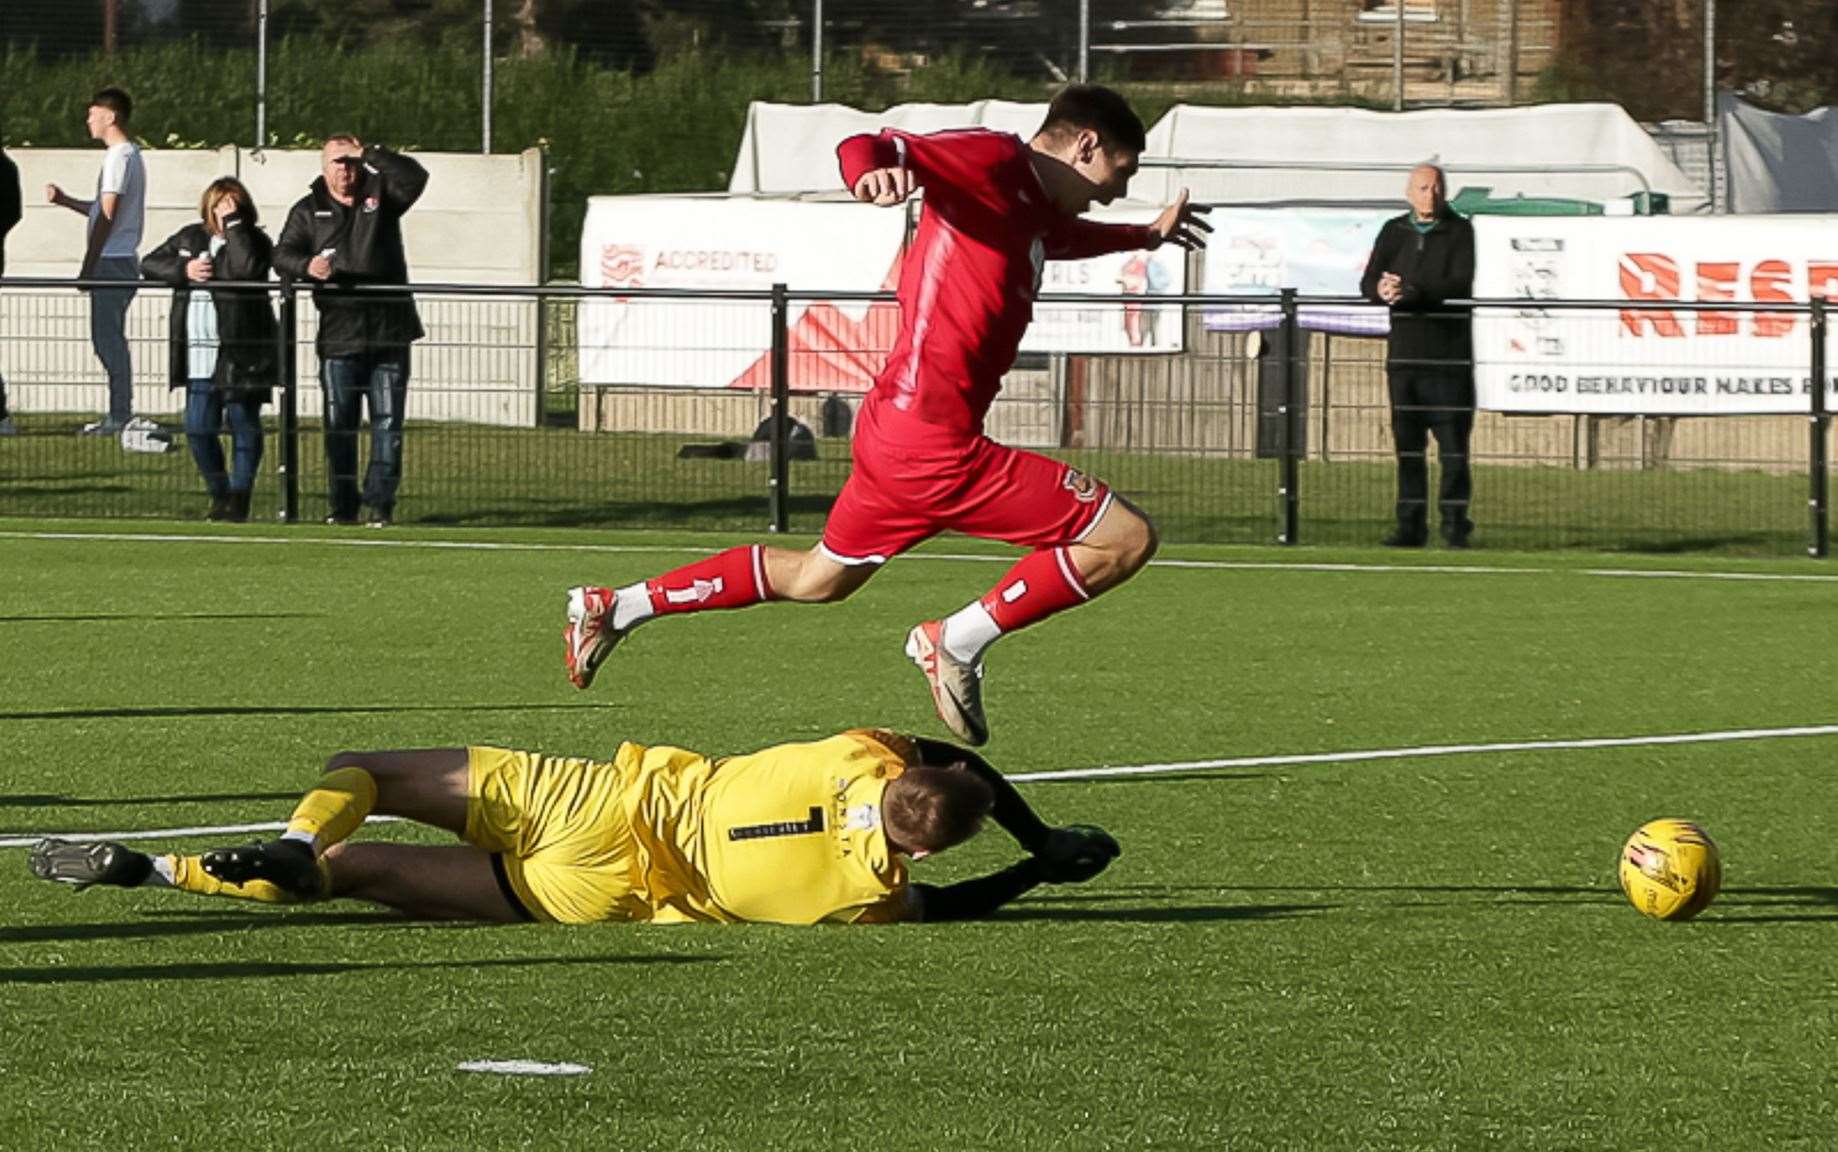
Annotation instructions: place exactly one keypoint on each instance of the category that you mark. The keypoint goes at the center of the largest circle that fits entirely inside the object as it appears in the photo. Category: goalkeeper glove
(1076, 853)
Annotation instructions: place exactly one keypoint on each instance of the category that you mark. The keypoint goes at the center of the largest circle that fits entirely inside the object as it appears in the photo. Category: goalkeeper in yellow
(794, 834)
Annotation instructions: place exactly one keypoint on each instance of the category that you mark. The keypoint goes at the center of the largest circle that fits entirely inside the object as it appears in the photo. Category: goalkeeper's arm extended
(1068, 855)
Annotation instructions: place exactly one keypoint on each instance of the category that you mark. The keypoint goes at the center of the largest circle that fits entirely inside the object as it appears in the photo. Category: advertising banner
(1316, 251)
(1647, 358)
(717, 243)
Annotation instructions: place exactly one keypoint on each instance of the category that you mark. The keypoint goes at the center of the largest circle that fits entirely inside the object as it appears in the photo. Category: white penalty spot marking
(523, 1068)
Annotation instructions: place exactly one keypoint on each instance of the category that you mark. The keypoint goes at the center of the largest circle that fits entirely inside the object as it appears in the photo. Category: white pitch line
(1353, 757)
(1425, 751)
(162, 833)
(955, 557)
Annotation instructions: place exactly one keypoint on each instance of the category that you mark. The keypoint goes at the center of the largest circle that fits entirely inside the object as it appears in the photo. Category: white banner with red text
(717, 243)
(1647, 358)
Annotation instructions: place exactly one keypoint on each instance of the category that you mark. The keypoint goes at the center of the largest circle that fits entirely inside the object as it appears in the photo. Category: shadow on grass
(181, 617)
(1706, 543)
(199, 924)
(50, 800)
(156, 712)
(752, 509)
(1170, 914)
(1774, 904)
(261, 969)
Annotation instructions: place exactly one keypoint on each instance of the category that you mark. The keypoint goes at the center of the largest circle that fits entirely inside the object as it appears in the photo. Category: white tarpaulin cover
(791, 148)
(1557, 136)
(1648, 358)
(1778, 163)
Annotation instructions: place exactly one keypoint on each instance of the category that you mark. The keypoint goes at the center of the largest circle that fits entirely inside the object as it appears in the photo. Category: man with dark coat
(347, 232)
(1421, 261)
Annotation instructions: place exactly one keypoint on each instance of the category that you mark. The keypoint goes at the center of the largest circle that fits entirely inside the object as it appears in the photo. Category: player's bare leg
(427, 785)
(455, 882)
(599, 618)
(1042, 583)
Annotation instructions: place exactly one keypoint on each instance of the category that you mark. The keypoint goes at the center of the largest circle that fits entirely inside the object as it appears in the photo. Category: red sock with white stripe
(732, 579)
(1039, 585)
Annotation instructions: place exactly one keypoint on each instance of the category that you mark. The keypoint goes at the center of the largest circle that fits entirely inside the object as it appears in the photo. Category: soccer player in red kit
(995, 209)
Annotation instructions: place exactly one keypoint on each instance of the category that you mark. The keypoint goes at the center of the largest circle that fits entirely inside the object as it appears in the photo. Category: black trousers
(1439, 404)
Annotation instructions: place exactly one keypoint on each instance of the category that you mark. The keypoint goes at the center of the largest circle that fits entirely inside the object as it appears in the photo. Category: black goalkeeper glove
(1076, 853)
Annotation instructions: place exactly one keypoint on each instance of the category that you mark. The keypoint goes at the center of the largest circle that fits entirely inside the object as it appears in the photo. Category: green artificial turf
(1420, 952)
(480, 476)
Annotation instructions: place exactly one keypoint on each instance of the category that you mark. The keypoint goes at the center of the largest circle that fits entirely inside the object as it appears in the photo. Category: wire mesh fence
(570, 407)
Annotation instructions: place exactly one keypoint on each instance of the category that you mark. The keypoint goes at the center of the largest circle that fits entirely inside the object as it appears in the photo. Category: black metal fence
(1277, 435)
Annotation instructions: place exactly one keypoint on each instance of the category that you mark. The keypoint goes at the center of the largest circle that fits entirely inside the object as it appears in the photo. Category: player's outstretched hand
(1076, 853)
(884, 186)
(1180, 223)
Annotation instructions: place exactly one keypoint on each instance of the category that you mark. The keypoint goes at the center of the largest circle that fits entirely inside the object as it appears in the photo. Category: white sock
(631, 606)
(968, 631)
(161, 876)
(305, 838)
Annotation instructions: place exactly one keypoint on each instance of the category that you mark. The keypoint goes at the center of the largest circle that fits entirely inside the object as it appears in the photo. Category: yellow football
(1670, 869)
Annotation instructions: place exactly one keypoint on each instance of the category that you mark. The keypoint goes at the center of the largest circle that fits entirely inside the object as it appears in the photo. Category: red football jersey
(968, 286)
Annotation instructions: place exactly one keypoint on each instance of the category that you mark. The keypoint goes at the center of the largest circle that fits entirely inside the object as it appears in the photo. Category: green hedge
(673, 129)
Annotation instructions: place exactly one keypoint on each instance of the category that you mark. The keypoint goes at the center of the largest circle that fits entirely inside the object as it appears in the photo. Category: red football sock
(1039, 585)
(732, 579)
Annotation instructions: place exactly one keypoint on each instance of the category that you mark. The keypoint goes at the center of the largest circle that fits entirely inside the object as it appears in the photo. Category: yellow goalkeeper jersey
(791, 834)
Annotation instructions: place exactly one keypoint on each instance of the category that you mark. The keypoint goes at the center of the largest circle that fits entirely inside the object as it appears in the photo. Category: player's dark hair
(1104, 111)
(928, 809)
(116, 101)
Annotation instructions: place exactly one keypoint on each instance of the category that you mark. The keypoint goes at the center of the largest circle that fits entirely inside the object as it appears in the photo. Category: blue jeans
(108, 333)
(207, 409)
(379, 378)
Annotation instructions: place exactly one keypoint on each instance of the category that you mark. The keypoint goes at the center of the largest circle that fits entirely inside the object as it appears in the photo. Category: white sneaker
(957, 687)
(142, 435)
(590, 633)
(102, 427)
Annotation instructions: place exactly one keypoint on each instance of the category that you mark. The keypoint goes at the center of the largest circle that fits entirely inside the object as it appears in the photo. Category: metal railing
(1285, 435)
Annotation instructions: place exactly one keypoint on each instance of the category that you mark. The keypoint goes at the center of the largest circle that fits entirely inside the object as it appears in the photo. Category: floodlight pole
(261, 75)
(485, 96)
(1710, 93)
(816, 51)
(1397, 61)
(1084, 40)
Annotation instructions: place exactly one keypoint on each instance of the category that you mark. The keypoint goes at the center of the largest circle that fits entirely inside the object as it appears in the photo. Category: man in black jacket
(12, 207)
(1422, 260)
(347, 233)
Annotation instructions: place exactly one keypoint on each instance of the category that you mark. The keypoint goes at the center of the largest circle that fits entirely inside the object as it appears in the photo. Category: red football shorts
(901, 493)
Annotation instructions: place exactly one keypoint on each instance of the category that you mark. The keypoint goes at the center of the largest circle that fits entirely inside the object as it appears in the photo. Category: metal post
(485, 96)
(1084, 40)
(1710, 93)
(1512, 53)
(1821, 421)
(1289, 493)
(779, 483)
(1397, 60)
(261, 76)
(816, 51)
(290, 406)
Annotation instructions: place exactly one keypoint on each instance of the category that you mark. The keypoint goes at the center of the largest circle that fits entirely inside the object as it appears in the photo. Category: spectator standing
(11, 209)
(1421, 261)
(222, 341)
(346, 232)
(116, 218)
